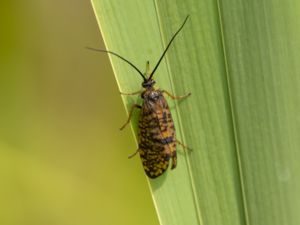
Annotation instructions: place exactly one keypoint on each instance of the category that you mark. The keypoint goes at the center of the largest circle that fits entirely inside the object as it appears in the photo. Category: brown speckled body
(157, 142)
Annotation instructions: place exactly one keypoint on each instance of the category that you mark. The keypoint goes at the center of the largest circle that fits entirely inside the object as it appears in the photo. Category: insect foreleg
(176, 97)
(183, 145)
(133, 93)
(130, 114)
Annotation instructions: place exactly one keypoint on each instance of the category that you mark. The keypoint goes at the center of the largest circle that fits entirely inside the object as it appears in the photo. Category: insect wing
(156, 137)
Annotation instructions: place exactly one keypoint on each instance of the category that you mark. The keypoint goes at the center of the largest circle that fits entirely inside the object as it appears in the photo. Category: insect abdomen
(157, 143)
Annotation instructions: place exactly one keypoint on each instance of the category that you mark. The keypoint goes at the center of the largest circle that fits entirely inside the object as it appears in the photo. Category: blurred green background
(60, 111)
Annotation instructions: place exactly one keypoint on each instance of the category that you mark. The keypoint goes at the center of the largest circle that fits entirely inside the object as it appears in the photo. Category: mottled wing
(156, 137)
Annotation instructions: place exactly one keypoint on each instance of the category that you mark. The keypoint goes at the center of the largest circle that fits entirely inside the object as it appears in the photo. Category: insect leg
(176, 97)
(133, 93)
(183, 145)
(130, 156)
(130, 114)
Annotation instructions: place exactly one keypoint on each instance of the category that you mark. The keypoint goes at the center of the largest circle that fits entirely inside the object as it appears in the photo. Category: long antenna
(162, 56)
(113, 53)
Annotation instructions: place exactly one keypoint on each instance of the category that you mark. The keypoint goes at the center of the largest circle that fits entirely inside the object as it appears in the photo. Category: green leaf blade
(241, 119)
(262, 44)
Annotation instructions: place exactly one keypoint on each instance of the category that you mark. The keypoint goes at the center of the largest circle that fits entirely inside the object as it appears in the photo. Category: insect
(156, 136)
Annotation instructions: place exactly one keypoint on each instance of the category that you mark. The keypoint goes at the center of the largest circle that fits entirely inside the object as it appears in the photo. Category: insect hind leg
(132, 155)
(183, 145)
